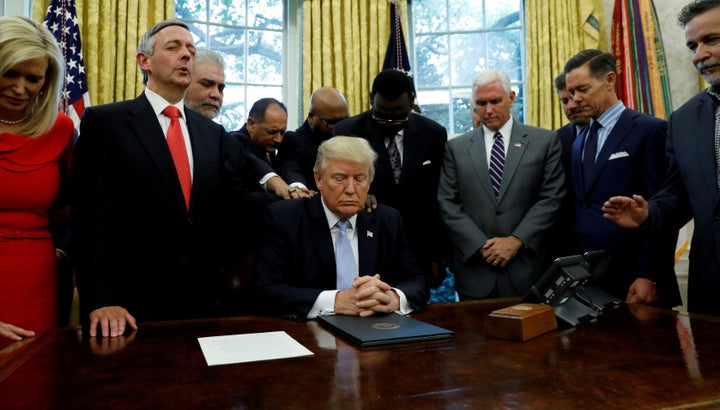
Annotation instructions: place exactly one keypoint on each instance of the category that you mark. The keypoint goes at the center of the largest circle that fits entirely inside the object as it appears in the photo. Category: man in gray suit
(500, 196)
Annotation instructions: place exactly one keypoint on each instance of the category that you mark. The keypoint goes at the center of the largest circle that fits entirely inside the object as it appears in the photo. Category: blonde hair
(22, 39)
(342, 148)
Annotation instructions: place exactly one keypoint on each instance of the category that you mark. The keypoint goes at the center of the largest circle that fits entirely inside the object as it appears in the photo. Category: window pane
(503, 13)
(466, 14)
(266, 14)
(462, 122)
(469, 55)
(231, 43)
(432, 61)
(265, 57)
(429, 16)
(199, 33)
(505, 54)
(191, 10)
(232, 115)
(228, 12)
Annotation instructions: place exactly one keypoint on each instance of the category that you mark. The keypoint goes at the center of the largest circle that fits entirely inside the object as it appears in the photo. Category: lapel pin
(369, 234)
(517, 145)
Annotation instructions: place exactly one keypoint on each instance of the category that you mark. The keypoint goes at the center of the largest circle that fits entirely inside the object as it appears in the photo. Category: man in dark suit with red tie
(327, 255)
(410, 151)
(149, 241)
(620, 152)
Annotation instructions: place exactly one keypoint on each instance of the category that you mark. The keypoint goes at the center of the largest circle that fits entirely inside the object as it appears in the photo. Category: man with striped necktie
(500, 190)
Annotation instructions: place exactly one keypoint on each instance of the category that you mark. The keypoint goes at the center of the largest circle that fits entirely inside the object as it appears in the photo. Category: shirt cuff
(265, 179)
(405, 308)
(324, 304)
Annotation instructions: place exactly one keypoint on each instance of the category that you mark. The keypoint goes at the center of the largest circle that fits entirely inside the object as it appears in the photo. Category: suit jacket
(564, 228)
(297, 261)
(533, 185)
(416, 194)
(255, 156)
(299, 150)
(136, 244)
(632, 161)
(691, 191)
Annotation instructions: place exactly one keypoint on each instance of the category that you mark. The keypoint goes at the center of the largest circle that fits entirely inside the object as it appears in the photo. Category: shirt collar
(159, 103)
(333, 219)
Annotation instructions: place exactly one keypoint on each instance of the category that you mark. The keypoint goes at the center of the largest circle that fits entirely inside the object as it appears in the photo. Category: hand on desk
(642, 292)
(13, 332)
(367, 295)
(112, 320)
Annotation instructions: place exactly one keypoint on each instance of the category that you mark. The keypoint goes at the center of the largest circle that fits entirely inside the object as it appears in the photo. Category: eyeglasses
(397, 120)
(329, 123)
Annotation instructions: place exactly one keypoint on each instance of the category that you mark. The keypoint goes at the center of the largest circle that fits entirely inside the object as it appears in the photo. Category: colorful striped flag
(643, 83)
(62, 21)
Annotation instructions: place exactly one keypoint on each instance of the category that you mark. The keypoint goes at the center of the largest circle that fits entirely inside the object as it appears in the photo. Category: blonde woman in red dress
(35, 151)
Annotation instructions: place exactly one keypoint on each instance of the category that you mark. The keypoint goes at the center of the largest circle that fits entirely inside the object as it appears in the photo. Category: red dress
(29, 184)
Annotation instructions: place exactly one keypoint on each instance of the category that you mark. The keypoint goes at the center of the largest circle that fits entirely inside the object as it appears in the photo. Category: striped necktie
(497, 162)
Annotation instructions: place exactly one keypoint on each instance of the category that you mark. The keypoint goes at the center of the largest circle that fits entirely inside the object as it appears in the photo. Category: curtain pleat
(345, 42)
(110, 31)
(555, 31)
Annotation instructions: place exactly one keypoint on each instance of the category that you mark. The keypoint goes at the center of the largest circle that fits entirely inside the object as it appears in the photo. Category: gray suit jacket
(531, 192)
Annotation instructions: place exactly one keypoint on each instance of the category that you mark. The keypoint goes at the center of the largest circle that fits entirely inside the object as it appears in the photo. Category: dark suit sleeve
(284, 288)
(291, 170)
(92, 167)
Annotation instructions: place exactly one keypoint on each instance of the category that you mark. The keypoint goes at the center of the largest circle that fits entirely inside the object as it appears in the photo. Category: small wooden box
(521, 322)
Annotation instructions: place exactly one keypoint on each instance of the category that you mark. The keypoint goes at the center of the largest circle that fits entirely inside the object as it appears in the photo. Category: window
(453, 40)
(249, 34)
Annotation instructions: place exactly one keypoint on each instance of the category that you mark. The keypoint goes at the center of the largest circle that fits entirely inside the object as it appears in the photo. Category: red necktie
(176, 143)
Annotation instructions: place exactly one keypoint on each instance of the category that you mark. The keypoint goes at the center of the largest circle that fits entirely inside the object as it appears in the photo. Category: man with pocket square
(410, 151)
(620, 152)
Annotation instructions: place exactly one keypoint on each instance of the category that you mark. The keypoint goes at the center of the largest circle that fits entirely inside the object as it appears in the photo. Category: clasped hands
(499, 251)
(367, 296)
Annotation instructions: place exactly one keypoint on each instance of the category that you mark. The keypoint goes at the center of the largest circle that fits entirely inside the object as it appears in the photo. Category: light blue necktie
(344, 257)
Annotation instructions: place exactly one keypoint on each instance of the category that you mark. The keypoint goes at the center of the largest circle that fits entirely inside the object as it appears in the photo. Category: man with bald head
(327, 107)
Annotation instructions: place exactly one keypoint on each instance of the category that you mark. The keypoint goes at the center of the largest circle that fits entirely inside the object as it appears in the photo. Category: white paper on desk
(250, 347)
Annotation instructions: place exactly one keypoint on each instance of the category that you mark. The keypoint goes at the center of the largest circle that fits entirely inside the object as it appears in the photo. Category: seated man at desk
(327, 255)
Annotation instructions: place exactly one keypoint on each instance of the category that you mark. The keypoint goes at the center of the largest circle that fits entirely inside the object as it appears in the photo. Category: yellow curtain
(555, 31)
(110, 31)
(344, 46)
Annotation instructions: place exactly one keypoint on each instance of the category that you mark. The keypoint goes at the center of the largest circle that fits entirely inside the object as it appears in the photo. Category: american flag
(62, 21)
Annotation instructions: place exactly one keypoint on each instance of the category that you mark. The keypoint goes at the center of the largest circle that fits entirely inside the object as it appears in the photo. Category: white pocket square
(427, 162)
(619, 154)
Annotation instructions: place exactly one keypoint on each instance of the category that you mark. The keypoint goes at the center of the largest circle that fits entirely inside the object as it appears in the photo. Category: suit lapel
(202, 157)
(478, 157)
(618, 133)
(367, 242)
(517, 144)
(321, 237)
(576, 163)
(145, 126)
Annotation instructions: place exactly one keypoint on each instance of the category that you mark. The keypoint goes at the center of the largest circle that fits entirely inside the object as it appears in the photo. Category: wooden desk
(629, 358)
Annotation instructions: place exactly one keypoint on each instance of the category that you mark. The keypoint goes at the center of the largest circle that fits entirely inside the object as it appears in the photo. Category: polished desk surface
(628, 358)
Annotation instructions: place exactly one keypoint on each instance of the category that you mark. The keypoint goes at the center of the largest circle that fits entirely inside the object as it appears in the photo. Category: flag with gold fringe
(62, 22)
(396, 55)
(643, 83)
